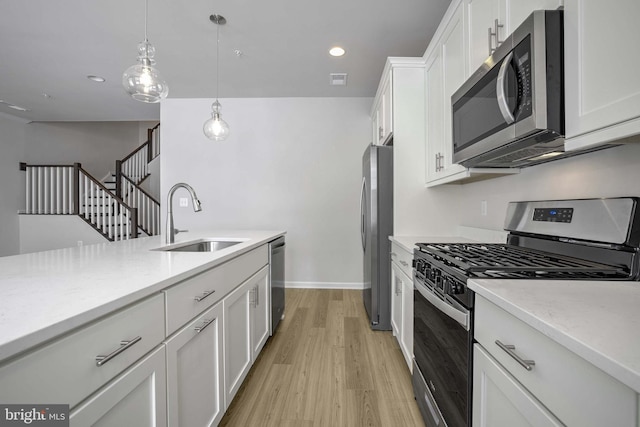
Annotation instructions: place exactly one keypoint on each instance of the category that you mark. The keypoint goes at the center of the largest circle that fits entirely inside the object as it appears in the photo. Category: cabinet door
(138, 397)
(237, 339)
(406, 337)
(445, 73)
(602, 92)
(517, 10)
(195, 375)
(435, 111)
(387, 109)
(499, 400)
(482, 15)
(261, 311)
(396, 301)
(453, 76)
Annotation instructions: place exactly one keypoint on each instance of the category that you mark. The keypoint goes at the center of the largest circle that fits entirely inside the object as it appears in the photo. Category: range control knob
(455, 287)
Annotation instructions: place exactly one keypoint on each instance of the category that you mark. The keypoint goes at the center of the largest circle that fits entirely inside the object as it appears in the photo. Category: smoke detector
(338, 79)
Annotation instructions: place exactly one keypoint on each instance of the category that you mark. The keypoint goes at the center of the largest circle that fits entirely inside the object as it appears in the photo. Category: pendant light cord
(146, 7)
(217, 59)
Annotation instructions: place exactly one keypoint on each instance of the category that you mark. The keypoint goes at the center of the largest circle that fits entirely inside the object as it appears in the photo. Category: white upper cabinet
(445, 72)
(491, 21)
(382, 115)
(601, 71)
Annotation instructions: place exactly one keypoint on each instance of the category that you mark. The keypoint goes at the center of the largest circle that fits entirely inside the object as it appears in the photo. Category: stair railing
(130, 172)
(148, 207)
(136, 165)
(70, 190)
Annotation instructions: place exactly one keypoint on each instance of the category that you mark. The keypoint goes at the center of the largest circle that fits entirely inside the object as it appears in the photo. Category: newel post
(76, 188)
(119, 178)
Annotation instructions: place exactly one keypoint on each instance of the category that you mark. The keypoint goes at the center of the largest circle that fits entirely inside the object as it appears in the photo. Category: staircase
(117, 208)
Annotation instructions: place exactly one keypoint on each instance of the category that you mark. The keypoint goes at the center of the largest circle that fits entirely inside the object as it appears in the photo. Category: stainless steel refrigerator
(376, 216)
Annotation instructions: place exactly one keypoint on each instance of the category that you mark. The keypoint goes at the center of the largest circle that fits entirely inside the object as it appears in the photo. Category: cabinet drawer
(573, 389)
(191, 297)
(400, 256)
(66, 370)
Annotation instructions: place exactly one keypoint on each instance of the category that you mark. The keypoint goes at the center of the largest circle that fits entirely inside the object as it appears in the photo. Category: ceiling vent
(338, 79)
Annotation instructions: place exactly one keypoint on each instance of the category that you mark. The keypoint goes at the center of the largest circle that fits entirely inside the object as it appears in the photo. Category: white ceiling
(51, 46)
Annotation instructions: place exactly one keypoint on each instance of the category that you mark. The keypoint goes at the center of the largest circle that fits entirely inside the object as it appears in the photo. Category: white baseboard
(324, 285)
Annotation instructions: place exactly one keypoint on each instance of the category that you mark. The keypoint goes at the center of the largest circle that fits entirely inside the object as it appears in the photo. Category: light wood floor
(326, 367)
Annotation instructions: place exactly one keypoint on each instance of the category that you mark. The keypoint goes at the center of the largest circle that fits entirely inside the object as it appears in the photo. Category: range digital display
(553, 214)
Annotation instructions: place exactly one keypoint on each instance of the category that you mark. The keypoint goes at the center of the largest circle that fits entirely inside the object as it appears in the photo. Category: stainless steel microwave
(510, 112)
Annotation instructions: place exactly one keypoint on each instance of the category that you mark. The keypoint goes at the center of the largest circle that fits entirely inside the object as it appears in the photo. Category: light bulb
(215, 128)
(142, 81)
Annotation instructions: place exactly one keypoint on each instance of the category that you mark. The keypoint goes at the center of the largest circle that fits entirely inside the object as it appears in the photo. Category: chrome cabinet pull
(204, 295)
(509, 349)
(393, 254)
(404, 263)
(257, 295)
(206, 323)
(101, 360)
(494, 33)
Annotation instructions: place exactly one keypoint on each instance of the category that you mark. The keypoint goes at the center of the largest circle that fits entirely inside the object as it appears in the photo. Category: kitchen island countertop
(597, 320)
(47, 294)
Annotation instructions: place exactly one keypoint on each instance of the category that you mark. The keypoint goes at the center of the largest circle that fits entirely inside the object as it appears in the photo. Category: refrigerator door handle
(362, 207)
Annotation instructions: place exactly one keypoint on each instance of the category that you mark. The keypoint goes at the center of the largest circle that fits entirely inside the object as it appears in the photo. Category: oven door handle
(457, 315)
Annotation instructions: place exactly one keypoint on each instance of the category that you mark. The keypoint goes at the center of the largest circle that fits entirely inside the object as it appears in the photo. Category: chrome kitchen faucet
(171, 231)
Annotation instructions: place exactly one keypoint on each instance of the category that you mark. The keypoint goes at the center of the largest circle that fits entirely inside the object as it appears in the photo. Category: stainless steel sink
(203, 245)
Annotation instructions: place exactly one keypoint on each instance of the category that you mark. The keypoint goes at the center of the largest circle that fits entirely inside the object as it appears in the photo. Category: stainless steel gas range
(590, 239)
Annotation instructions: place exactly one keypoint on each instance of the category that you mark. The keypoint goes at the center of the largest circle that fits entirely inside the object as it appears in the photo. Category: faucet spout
(197, 207)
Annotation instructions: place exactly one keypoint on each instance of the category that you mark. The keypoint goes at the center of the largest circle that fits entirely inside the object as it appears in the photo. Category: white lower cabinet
(260, 312)
(137, 398)
(500, 400)
(246, 330)
(402, 301)
(195, 371)
(520, 373)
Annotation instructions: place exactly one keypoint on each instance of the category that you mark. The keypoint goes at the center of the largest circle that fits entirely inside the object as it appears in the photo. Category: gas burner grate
(508, 261)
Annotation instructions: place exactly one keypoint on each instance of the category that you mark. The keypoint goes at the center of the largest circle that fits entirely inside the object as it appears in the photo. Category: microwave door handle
(501, 91)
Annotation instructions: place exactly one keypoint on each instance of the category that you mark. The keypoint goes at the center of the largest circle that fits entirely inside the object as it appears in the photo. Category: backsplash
(608, 173)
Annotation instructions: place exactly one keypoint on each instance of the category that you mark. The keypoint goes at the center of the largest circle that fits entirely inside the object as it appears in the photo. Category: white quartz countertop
(597, 320)
(463, 234)
(409, 242)
(45, 294)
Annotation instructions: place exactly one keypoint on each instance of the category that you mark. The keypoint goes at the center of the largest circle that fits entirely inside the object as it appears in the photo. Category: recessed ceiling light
(336, 51)
(96, 79)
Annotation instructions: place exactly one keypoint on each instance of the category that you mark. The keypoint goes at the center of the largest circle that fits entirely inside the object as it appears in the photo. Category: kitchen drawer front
(400, 256)
(189, 298)
(574, 390)
(65, 371)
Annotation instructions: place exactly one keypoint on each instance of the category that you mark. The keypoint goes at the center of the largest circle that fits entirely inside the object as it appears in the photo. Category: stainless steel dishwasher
(276, 262)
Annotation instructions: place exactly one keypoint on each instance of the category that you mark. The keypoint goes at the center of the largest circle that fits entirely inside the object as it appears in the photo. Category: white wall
(607, 173)
(45, 232)
(289, 163)
(97, 145)
(12, 145)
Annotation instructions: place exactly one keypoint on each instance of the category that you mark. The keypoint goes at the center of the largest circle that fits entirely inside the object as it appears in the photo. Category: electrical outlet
(184, 202)
(483, 208)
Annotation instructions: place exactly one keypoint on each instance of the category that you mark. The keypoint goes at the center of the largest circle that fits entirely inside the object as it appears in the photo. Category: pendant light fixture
(142, 81)
(215, 128)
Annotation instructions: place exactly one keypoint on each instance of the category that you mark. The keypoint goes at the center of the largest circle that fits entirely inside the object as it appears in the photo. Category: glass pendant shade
(215, 128)
(142, 81)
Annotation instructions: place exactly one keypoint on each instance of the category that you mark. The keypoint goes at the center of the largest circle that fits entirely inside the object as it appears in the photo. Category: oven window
(441, 349)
